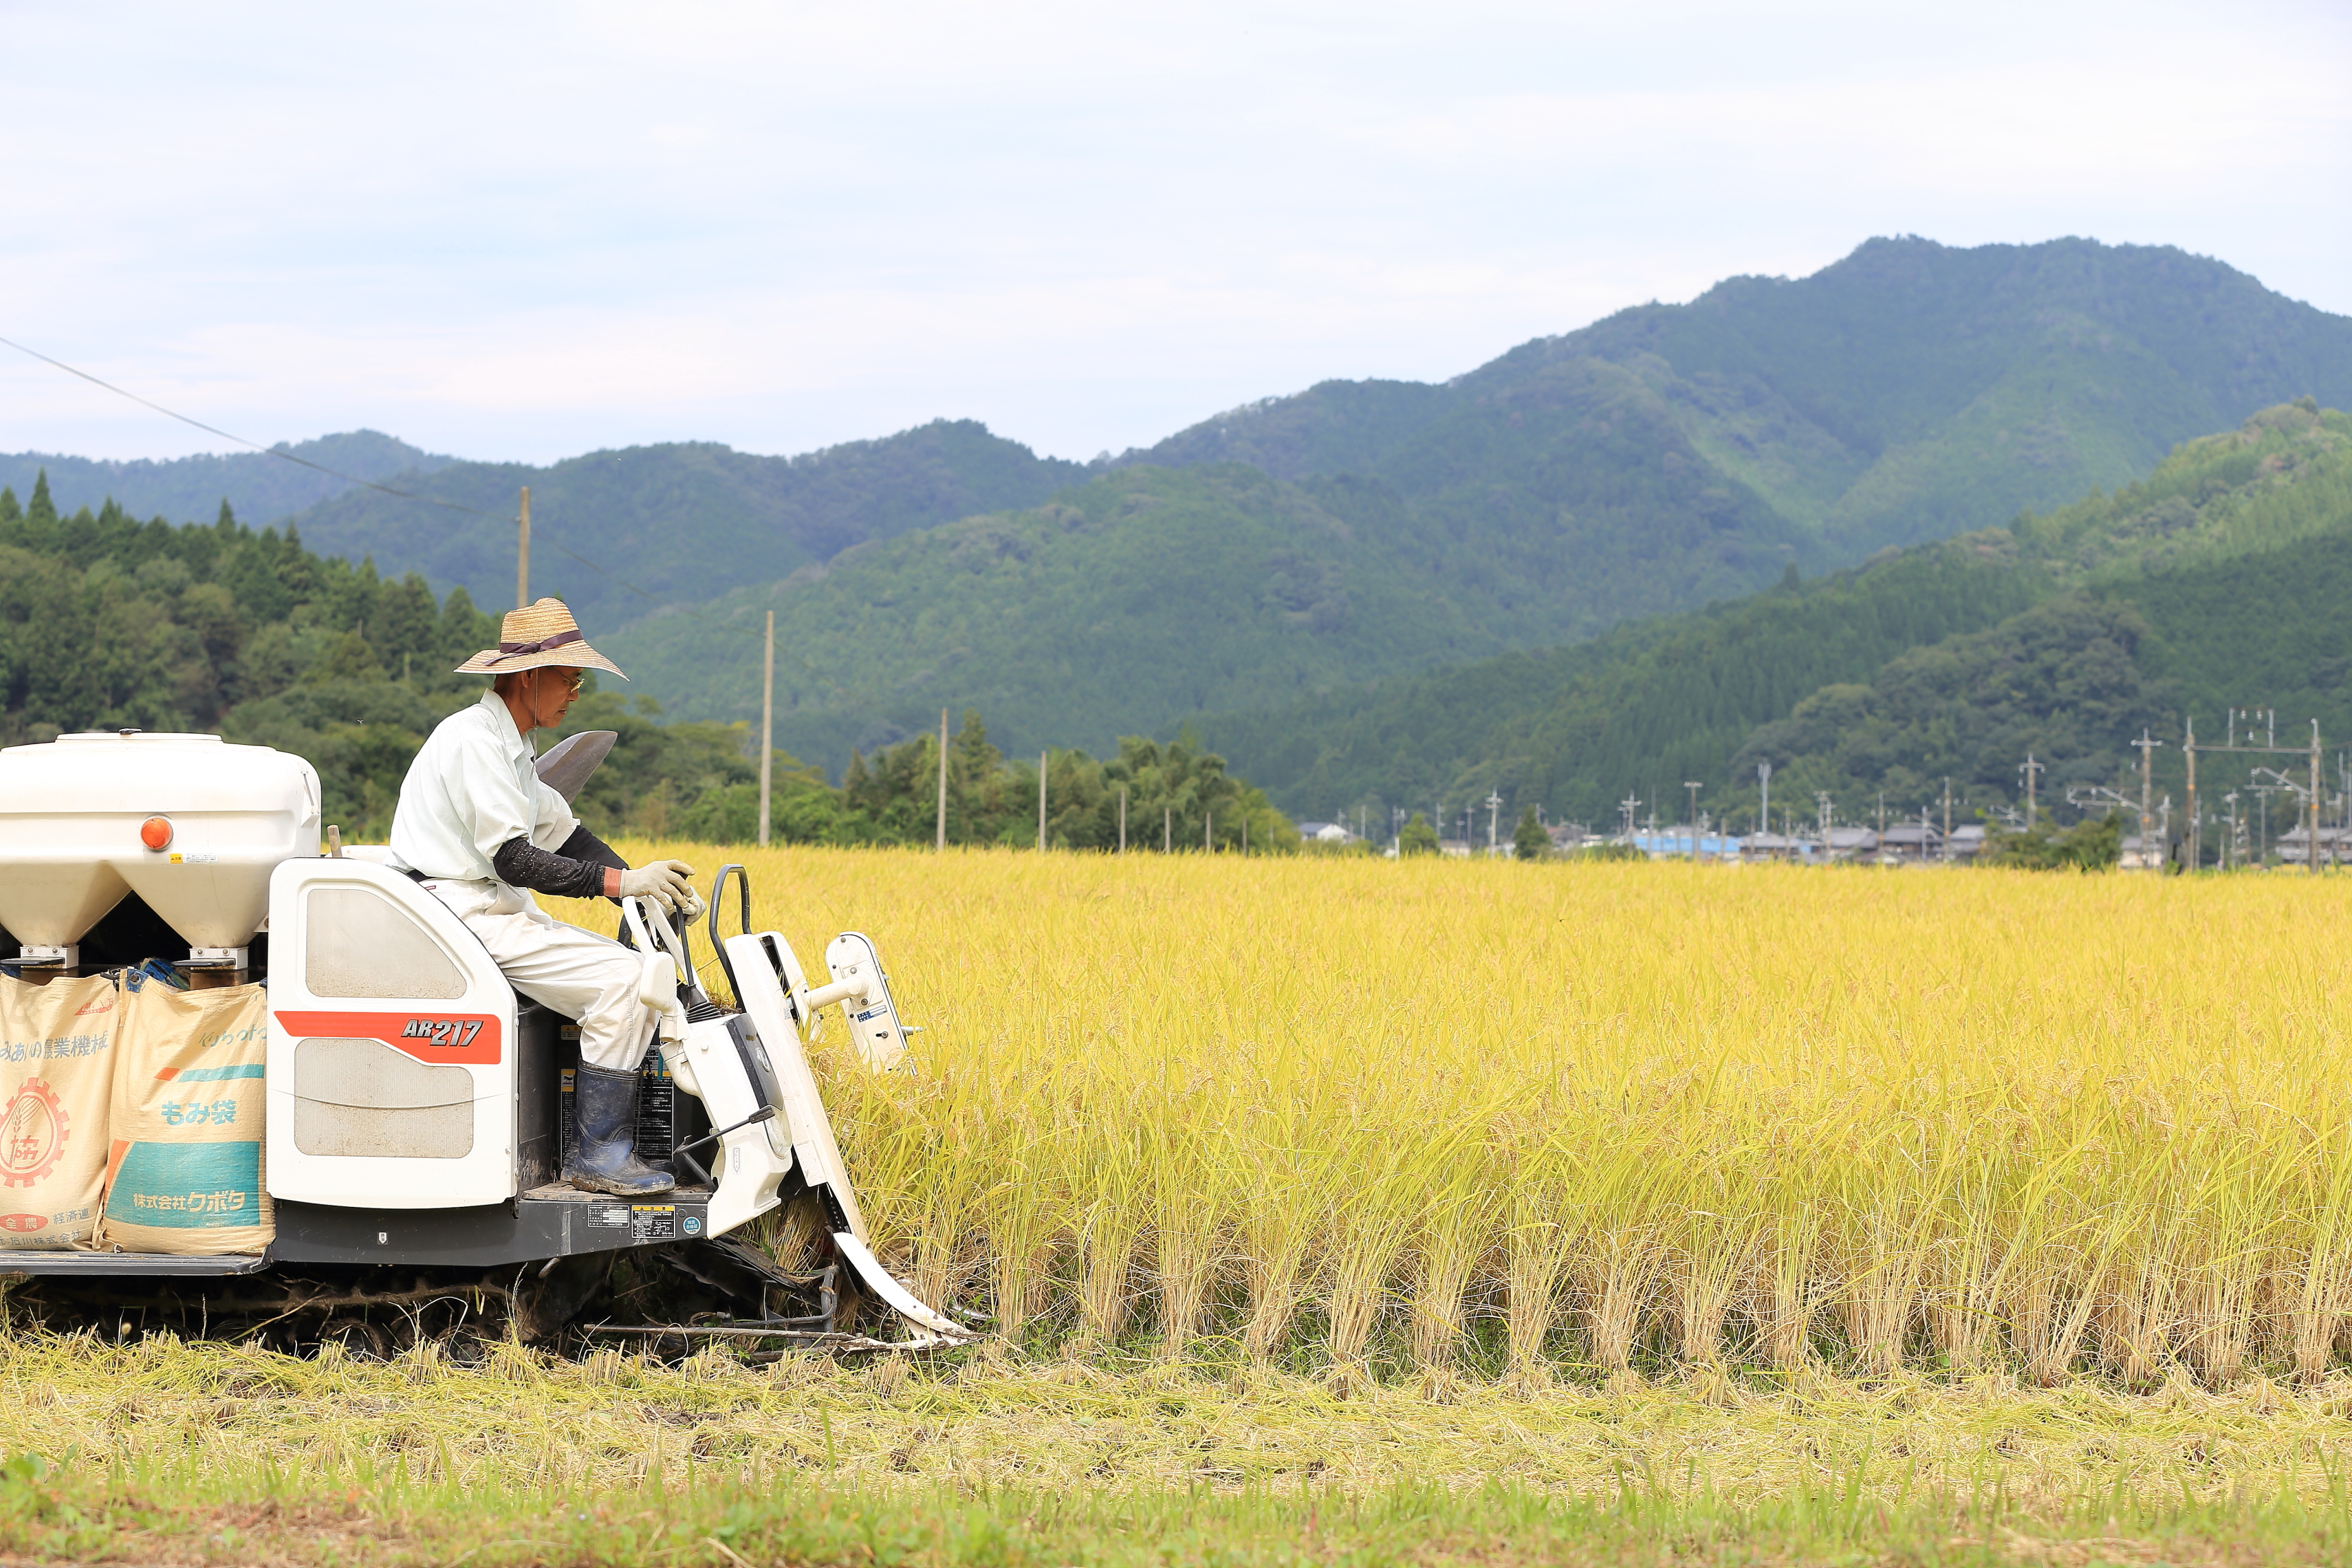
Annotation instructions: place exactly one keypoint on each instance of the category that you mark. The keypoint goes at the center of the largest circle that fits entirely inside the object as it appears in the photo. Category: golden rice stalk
(1536, 1242)
(1114, 1222)
(1455, 1232)
(1279, 1238)
(2319, 1274)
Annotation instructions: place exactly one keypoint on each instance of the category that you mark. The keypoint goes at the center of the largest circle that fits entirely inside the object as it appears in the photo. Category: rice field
(1446, 1125)
(1353, 1213)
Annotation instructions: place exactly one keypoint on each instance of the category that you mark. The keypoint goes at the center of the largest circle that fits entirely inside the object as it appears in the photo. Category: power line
(402, 495)
(271, 451)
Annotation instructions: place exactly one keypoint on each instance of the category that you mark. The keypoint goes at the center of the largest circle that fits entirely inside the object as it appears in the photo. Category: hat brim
(570, 656)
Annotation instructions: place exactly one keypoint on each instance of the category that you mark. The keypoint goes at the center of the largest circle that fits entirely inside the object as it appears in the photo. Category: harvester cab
(415, 1106)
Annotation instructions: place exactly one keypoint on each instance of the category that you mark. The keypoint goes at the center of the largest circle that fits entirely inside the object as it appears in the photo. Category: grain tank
(190, 824)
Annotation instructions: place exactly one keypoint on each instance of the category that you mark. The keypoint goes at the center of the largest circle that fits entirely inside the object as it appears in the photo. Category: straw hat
(535, 637)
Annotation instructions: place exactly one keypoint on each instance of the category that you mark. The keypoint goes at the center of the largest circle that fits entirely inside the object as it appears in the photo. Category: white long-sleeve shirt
(471, 789)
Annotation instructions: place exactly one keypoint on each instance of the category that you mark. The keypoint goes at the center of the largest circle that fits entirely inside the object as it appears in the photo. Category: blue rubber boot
(604, 1137)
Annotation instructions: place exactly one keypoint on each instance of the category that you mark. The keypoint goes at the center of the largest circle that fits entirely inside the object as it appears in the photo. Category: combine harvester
(414, 1105)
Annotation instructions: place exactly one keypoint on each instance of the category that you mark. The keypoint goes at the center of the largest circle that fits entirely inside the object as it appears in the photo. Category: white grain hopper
(190, 823)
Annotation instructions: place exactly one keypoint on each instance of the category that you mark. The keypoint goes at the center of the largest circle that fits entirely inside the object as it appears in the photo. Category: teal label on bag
(187, 1186)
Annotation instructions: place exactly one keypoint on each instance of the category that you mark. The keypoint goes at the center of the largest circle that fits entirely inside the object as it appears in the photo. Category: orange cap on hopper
(156, 832)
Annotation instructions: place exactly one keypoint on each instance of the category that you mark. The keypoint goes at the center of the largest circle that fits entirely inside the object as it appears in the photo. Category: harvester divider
(808, 1003)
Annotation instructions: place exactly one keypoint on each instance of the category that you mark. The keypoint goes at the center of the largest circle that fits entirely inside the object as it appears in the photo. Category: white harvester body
(415, 1103)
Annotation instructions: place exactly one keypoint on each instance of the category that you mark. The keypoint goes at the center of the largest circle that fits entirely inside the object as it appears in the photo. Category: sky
(527, 231)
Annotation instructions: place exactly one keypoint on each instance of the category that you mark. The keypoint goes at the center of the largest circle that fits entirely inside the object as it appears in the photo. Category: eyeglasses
(577, 677)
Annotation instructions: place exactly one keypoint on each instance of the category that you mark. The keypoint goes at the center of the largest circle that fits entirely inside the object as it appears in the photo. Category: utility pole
(2196, 837)
(2311, 812)
(1041, 800)
(942, 837)
(1822, 798)
(522, 552)
(1209, 830)
(1122, 819)
(1692, 785)
(1167, 826)
(1882, 822)
(2031, 769)
(1494, 806)
(767, 724)
(2147, 747)
(1764, 782)
(1947, 819)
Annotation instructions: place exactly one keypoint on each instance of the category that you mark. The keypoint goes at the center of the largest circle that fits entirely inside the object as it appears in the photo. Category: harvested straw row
(1633, 1113)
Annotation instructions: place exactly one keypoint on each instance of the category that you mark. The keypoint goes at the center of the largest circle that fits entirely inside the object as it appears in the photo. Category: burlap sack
(57, 1069)
(183, 1174)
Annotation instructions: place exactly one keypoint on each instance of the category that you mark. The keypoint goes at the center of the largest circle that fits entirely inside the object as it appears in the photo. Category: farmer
(479, 830)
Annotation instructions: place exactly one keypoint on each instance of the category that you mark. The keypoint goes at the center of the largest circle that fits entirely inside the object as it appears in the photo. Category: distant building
(2293, 846)
(1850, 843)
(1967, 842)
(1325, 833)
(1674, 844)
(1910, 843)
(1762, 847)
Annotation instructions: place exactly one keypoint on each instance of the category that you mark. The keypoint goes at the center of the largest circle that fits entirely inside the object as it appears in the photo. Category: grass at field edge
(52, 1511)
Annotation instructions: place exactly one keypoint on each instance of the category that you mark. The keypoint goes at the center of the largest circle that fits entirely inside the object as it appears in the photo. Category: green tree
(1418, 837)
(1528, 840)
(2094, 844)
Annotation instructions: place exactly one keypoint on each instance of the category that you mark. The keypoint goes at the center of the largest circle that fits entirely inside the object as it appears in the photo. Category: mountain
(1911, 391)
(1666, 457)
(2216, 581)
(680, 523)
(1144, 593)
(261, 487)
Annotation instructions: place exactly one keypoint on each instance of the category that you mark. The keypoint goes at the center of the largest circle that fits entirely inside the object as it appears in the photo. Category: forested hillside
(256, 485)
(107, 622)
(682, 523)
(2218, 580)
(1145, 593)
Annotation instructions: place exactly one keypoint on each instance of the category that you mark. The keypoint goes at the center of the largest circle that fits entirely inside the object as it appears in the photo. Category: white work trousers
(579, 974)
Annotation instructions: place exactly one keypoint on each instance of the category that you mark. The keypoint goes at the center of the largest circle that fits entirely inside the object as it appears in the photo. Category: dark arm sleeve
(520, 863)
(585, 846)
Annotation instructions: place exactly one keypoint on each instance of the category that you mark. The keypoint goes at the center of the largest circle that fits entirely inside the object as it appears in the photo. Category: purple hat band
(512, 650)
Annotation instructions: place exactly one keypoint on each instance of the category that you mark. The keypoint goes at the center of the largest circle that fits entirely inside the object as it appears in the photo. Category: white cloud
(531, 231)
